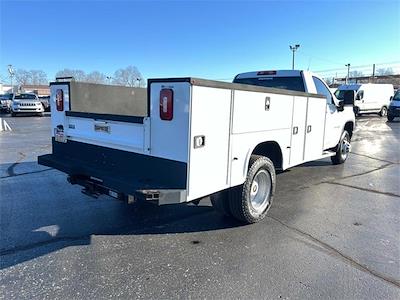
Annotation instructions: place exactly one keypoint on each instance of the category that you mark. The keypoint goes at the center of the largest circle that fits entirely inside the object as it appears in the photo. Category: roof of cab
(346, 87)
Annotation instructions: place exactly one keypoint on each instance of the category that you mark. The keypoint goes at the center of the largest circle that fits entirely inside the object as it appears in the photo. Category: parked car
(394, 107)
(6, 101)
(45, 100)
(368, 98)
(26, 103)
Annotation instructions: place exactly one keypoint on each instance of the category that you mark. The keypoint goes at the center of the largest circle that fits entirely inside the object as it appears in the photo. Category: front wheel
(343, 149)
(250, 202)
(383, 111)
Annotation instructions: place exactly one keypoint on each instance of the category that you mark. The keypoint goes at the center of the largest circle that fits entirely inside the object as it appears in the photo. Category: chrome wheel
(345, 147)
(383, 111)
(260, 192)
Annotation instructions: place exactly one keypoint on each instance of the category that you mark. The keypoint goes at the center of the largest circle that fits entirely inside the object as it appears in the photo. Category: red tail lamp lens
(166, 104)
(60, 100)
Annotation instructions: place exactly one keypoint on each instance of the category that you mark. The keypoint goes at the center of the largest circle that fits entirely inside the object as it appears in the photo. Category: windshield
(397, 96)
(340, 94)
(7, 97)
(25, 96)
(287, 83)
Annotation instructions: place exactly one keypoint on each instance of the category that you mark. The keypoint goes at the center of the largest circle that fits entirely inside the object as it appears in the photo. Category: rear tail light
(60, 100)
(166, 104)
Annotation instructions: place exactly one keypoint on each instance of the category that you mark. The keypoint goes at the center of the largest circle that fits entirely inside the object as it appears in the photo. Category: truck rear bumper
(120, 171)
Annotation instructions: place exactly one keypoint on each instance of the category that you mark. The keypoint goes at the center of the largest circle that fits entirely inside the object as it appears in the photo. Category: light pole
(348, 73)
(139, 79)
(293, 49)
(12, 74)
(109, 79)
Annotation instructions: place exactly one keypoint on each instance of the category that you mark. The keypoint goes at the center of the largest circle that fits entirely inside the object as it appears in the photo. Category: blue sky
(207, 39)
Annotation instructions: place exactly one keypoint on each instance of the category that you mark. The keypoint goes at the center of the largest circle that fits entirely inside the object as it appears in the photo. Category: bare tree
(384, 71)
(38, 77)
(79, 75)
(356, 73)
(130, 76)
(328, 80)
(35, 77)
(23, 77)
(96, 77)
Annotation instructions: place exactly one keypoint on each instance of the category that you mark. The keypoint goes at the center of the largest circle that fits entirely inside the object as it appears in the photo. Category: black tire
(220, 202)
(383, 112)
(390, 118)
(342, 151)
(242, 205)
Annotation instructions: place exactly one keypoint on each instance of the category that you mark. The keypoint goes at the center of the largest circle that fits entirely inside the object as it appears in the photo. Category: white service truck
(182, 139)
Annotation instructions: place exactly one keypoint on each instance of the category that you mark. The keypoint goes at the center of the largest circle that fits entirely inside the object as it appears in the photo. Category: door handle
(295, 130)
(308, 128)
(267, 103)
(199, 141)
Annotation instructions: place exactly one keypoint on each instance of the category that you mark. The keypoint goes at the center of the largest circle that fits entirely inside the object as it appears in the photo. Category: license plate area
(102, 127)
(59, 135)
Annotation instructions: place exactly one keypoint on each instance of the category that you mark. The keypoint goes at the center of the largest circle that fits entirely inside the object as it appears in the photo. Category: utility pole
(293, 49)
(12, 74)
(348, 73)
(373, 72)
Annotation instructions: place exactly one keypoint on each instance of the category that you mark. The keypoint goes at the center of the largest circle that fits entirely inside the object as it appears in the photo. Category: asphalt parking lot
(332, 232)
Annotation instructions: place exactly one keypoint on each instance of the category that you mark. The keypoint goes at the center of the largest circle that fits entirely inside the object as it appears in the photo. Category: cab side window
(360, 95)
(322, 90)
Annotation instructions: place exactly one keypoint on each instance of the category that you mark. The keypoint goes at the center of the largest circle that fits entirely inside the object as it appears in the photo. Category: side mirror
(340, 106)
(348, 98)
(391, 98)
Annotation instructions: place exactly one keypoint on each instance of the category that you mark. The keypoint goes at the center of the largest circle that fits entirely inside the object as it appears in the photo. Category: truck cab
(338, 113)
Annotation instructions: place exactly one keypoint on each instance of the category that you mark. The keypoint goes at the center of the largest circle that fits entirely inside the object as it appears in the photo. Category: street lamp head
(294, 48)
(11, 70)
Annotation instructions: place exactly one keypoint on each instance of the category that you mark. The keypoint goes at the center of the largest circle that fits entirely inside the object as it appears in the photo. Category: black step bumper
(122, 171)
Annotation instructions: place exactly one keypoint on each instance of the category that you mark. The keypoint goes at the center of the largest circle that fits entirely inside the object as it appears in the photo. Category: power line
(323, 59)
(360, 66)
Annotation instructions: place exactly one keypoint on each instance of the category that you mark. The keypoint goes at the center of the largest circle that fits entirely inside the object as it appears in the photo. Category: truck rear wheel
(250, 202)
(343, 149)
(220, 202)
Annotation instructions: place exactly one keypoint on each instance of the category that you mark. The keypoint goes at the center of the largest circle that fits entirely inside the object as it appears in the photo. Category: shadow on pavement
(41, 213)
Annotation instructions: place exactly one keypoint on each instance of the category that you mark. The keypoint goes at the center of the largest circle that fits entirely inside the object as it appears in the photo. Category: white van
(369, 98)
